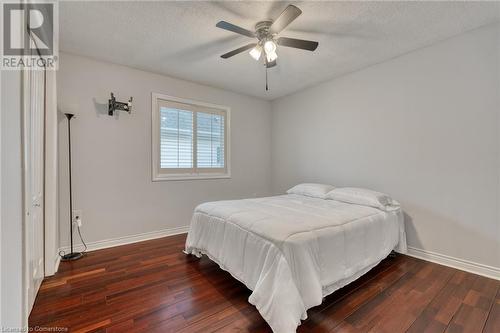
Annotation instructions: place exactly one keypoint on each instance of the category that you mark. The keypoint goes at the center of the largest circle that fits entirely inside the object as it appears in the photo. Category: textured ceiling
(180, 39)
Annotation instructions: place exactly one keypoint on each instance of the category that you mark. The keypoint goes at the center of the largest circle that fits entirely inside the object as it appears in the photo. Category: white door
(34, 124)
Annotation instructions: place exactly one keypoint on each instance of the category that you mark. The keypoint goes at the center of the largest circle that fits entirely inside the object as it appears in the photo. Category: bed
(293, 250)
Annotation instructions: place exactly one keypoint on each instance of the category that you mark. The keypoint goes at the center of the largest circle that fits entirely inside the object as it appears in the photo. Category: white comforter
(293, 250)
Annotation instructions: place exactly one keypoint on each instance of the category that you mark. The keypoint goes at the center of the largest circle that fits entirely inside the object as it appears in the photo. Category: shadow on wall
(60, 116)
(101, 109)
(410, 228)
(442, 225)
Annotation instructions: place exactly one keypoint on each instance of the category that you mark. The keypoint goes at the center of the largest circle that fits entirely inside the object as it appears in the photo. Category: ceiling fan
(266, 33)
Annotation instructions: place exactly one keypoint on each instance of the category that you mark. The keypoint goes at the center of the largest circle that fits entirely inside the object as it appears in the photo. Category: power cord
(62, 252)
(81, 238)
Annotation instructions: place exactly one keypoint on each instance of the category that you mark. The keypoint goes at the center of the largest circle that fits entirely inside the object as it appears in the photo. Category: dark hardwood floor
(153, 287)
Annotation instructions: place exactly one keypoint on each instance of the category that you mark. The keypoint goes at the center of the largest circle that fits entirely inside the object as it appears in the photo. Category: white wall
(11, 250)
(423, 127)
(112, 155)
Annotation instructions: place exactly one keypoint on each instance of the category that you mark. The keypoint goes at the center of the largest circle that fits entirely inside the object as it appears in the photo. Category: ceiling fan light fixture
(256, 52)
(271, 56)
(270, 46)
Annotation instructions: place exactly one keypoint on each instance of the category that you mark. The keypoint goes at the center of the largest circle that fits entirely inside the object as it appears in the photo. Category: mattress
(293, 250)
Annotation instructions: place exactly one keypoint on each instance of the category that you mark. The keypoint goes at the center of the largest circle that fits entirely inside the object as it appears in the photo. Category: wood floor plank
(493, 322)
(339, 306)
(475, 307)
(153, 287)
(396, 308)
(437, 316)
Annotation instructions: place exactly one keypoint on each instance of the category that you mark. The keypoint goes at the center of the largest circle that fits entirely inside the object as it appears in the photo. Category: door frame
(51, 207)
(50, 180)
(26, 184)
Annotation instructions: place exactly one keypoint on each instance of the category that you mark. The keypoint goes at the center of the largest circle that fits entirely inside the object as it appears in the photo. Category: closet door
(34, 143)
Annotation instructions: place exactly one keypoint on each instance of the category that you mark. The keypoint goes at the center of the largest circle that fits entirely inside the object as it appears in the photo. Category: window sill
(165, 177)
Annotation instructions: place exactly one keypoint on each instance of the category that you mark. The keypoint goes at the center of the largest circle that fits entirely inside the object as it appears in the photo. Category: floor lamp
(72, 255)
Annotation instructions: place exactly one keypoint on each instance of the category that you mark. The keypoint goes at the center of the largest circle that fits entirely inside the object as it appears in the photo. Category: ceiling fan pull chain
(267, 88)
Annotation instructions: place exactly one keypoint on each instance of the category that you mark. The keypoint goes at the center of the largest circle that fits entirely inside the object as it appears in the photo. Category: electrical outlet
(77, 216)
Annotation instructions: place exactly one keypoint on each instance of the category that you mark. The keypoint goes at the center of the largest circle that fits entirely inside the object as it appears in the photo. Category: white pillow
(361, 196)
(311, 190)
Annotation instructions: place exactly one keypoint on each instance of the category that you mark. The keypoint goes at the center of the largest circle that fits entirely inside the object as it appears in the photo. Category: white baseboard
(464, 265)
(104, 244)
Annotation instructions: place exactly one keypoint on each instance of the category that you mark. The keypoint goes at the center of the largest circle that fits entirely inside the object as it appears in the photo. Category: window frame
(164, 174)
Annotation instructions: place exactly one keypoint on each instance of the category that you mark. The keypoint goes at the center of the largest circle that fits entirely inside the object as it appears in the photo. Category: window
(190, 139)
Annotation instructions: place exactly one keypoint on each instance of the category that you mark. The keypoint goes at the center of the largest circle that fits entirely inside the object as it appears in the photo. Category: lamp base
(72, 256)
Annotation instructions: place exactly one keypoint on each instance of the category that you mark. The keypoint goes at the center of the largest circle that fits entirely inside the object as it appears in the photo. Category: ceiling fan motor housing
(262, 30)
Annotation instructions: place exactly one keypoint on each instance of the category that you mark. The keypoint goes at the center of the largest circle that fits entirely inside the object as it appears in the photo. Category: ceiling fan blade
(271, 64)
(238, 50)
(298, 43)
(234, 28)
(289, 14)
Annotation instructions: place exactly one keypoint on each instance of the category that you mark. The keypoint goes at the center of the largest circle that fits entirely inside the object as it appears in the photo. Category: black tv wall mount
(114, 105)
